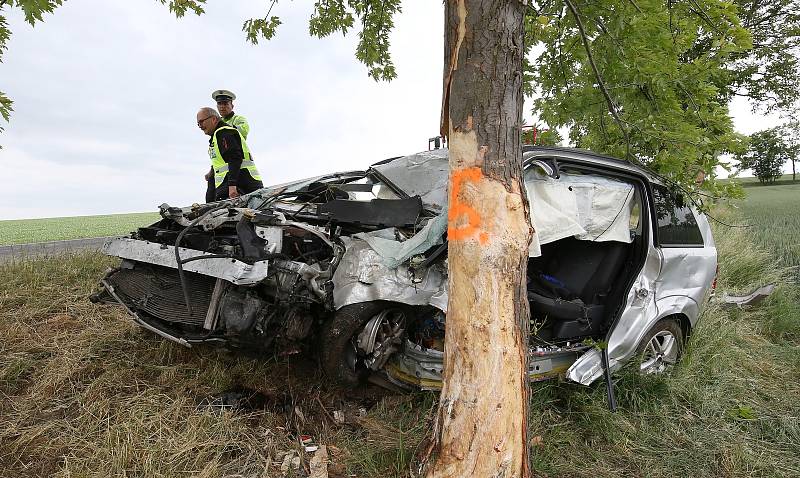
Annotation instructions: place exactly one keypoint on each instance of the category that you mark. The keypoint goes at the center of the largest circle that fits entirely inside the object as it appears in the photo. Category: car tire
(661, 347)
(339, 356)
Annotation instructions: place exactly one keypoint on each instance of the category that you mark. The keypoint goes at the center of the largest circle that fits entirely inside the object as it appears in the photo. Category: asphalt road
(50, 249)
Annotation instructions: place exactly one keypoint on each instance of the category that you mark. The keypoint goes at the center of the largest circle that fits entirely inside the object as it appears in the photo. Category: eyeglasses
(200, 122)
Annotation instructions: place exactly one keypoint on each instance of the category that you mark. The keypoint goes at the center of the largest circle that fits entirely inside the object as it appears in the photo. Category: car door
(688, 256)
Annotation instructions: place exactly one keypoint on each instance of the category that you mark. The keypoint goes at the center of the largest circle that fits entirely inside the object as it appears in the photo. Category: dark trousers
(210, 190)
(220, 193)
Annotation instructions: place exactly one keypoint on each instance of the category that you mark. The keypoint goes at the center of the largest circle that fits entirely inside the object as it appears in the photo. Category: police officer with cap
(224, 99)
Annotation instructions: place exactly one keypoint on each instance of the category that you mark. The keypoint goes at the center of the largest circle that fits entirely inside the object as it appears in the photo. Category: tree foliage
(769, 73)
(629, 79)
(769, 150)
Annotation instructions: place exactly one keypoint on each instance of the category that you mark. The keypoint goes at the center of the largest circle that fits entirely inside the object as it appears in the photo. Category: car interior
(577, 284)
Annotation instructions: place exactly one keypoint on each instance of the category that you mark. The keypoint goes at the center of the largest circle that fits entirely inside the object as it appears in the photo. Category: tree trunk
(481, 426)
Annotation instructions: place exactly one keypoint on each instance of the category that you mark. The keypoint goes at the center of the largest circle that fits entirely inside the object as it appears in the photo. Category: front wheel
(661, 347)
(361, 338)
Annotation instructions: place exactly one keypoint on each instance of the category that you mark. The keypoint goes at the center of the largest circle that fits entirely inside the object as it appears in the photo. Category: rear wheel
(661, 347)
(361, 338)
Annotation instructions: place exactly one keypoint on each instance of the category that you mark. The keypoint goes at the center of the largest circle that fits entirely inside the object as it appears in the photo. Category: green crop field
(20, 231)
(753, 182)
(773, 212)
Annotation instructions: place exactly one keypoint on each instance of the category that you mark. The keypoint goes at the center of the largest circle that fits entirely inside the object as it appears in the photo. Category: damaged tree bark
(481, 426)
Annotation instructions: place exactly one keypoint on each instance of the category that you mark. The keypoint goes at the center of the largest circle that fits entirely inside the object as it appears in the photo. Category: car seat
(570, 281)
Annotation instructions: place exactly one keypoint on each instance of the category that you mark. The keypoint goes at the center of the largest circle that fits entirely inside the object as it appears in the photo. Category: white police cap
(223, 95)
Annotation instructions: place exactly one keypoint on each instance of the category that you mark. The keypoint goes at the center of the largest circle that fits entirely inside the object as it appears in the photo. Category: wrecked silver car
(353, 265)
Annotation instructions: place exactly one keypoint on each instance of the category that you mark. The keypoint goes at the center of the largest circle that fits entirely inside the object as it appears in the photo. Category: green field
(20, 231)
(773, 212)
(753, 182)
(83, 392)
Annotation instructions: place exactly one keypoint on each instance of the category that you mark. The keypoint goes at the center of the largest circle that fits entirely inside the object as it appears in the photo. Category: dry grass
(84, 393)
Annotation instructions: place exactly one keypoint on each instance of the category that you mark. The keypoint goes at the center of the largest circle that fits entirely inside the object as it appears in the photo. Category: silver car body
(673, 281)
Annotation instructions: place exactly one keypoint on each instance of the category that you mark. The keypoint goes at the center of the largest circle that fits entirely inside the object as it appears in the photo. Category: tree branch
(612, 108)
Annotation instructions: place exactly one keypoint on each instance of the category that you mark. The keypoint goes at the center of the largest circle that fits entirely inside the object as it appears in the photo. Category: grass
(20, 231)
(85, 393)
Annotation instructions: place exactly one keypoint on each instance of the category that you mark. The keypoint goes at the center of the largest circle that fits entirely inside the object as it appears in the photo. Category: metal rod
(612, 402)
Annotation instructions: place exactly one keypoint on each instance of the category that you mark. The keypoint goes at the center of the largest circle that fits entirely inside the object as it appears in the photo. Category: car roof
(584, 155)
(577, 154)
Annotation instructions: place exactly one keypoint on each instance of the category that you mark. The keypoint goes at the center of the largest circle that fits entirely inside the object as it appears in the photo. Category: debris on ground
(290, 462)
(307, 442)
(753, 298)
(234, 400)
(338, 416)
(319, 463)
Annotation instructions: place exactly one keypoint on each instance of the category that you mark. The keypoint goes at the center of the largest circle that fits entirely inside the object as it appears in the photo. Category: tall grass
(85, 393)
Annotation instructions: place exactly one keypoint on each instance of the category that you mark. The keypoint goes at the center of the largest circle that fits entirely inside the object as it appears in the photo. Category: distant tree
(769, 150)
(792, 130)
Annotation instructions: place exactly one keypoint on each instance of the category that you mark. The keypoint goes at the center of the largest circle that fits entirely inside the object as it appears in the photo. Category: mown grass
(21, 231)
(85, 393)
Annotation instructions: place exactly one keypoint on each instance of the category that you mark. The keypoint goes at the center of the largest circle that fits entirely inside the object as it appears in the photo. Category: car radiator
(157, 291)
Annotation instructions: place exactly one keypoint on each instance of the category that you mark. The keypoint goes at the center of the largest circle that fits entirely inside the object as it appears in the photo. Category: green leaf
(180, 7)
(743, 413)
(257, 28)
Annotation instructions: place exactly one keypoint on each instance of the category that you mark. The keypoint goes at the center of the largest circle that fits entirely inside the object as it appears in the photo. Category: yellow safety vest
(219, 165)
(239, 122)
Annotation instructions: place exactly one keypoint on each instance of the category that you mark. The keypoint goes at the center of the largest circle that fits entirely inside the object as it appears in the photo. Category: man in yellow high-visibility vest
(234, 172)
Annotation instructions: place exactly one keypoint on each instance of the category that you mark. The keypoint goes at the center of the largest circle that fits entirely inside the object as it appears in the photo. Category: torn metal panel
(423, 174)
(231, 270)
(638, 311)
(753, 298)
(361, 276)
(394, 252)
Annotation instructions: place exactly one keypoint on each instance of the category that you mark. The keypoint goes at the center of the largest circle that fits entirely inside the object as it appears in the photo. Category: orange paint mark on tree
(458, 208)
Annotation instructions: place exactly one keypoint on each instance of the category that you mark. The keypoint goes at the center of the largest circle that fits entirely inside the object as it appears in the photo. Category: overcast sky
(105, 96)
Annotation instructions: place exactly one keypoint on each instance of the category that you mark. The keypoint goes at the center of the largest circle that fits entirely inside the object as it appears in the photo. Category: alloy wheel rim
(660, 353)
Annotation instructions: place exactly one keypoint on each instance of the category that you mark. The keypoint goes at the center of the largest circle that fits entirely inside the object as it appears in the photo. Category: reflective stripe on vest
(221, 167)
